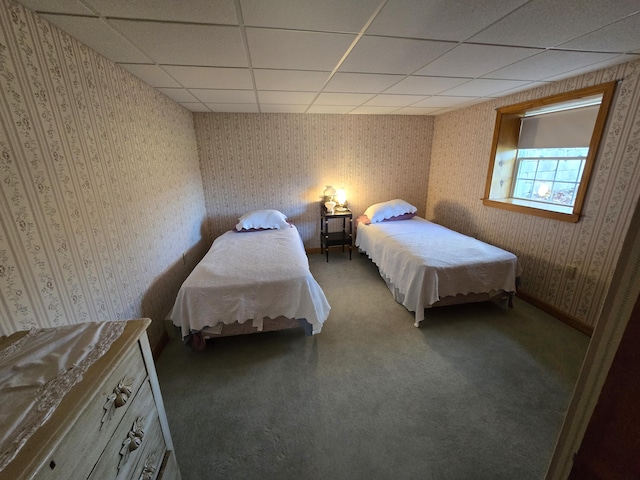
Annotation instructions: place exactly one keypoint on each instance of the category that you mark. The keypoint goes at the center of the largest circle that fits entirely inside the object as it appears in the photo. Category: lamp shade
(329, 191)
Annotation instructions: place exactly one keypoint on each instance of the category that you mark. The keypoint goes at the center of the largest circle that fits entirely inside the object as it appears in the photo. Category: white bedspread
(251, 275)
(426, 261)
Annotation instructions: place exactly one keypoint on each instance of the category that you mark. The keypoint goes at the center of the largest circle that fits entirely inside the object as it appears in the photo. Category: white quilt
(425, 261)
(249, 276)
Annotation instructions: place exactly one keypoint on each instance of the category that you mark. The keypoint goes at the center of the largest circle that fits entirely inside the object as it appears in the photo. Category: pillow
(262, 220)
(405, 216)
(386, 210)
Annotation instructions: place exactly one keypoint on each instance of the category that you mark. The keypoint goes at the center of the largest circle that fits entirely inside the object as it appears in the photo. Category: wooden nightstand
(342, 237)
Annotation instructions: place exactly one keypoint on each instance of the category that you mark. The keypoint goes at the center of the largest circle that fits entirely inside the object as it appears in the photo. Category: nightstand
(332, 238)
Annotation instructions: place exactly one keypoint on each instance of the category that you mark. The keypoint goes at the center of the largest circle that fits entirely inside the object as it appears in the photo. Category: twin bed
(256, 277)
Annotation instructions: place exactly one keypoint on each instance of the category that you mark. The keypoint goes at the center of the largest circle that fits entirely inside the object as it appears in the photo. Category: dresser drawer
(138, 432)
(78, 452)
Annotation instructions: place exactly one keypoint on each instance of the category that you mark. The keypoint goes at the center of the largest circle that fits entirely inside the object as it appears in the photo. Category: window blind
(564, 129)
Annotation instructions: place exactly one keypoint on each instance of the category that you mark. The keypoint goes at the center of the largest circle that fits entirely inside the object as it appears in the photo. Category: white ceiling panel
(330, 109)
(372, 110)
(196, 107)
(151, 74)
(182, 44)
(425, 85)
(386, 100)
(392, 55)
(547, 23)
(454, 20)
(482, 87)
(233, 107)
(470, 60)
(180, 95)
(361, 82)
(211, 77)
(324, 16)
(293, 80)
(413, 57)
(199, 11)
(286, 98)
(283, 108)
(342, 98)
(547, 63)
(278, 49)
(224, 96)
(95, 33)
(619, 36)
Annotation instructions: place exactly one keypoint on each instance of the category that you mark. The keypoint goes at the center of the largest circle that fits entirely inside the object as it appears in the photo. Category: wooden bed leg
(510, 300)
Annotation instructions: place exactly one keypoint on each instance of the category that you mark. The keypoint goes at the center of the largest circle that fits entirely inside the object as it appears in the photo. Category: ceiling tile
(325, 15)
(442, 101)
(547, 23)
(330, 109)
(361, 82)
(199, 11)
(342, 98)
(372, 110)
(470, 60)
(425, 85)
(211, 77)
(195, 107)
(392, 55)
(295, 80)
(233, 107)
(416, 111)
(224, 96)
(151, 74)
(95, 33)
(385, 100)
(453, 20)
(178, 94)
(620, 36)
(181, 44)
(296, 50)
(73, 7)
(283, 108)
(548, 63)
(286, 98)
(483, 87)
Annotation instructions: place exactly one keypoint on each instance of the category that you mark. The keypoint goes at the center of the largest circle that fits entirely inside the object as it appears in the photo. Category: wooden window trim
(505, 142)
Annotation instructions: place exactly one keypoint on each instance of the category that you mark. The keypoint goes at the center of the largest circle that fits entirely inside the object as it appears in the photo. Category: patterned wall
(284, 161)
(100, 185)
(458, 169)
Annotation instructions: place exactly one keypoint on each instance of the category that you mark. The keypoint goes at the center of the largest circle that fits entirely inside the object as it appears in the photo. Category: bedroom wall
(284, 161)
(458, 170)
(100, 187)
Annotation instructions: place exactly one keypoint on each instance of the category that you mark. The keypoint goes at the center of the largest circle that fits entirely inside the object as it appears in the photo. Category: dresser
(109, 424)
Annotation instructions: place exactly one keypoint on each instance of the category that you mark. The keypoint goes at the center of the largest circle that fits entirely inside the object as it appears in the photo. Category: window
(543, 153)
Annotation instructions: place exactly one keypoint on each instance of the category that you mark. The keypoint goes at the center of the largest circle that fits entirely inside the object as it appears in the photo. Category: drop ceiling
(401, 57)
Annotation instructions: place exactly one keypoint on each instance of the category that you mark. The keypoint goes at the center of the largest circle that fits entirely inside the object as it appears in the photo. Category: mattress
(250, 276)
(426, 262)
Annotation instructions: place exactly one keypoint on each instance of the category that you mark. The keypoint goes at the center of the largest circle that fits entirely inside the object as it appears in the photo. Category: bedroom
(89, 241)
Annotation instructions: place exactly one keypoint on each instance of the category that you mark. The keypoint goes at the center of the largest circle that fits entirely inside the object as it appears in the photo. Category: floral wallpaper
(100, 188)
(285, 161)
(457, 175)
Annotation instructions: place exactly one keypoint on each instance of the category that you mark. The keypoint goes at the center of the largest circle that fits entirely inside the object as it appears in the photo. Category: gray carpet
(479, 391)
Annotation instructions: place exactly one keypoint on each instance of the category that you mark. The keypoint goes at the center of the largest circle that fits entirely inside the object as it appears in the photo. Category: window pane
(547, 170)
(563, 193)
(542, 191)
(568, 170)
(527, 169)
(523, 189)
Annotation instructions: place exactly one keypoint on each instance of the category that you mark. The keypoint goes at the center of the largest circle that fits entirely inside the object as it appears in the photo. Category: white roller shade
(565, 129)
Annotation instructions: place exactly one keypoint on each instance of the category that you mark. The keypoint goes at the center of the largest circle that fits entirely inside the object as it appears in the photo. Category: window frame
(505, 146)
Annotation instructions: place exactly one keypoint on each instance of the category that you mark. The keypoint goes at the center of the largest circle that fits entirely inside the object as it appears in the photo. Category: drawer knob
(132, 442)
(117, 399)
(149, 468)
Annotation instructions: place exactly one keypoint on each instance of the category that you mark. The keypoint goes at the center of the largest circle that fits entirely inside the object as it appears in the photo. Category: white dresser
(111, 424)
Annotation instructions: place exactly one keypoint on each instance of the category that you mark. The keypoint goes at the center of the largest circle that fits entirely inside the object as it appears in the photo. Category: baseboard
(312, 251)
(159, 347)
(560, 315)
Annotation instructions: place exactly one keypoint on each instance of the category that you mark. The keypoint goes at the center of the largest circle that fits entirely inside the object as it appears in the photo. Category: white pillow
(381, 211)
(262, 219)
